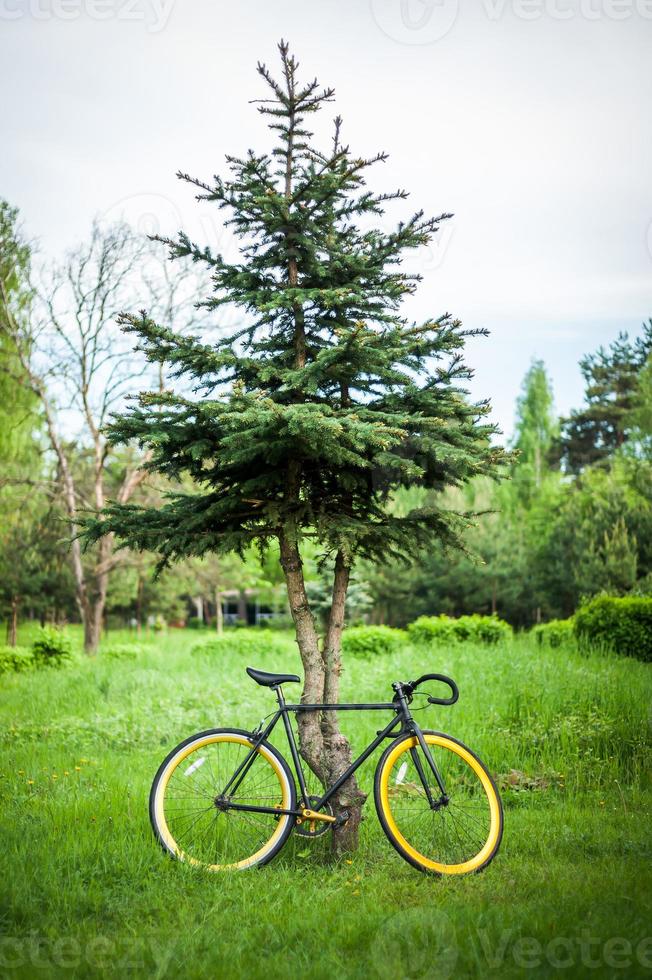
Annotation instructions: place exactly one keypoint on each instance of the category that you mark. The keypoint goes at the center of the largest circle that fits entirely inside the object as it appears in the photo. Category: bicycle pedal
(342, 818)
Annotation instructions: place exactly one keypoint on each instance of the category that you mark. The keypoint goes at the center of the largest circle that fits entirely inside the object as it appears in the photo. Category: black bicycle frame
(402, 717)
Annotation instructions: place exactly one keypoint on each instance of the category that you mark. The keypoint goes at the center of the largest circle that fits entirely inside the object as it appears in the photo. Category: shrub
(51, 648)
(621, 624)
(13, 659)
(556, 633)
(123, 651)
(371, 641)
(432, 629)
(486, 629)
(444, 629)
(276, 623)
(194, 623)
(243, 642)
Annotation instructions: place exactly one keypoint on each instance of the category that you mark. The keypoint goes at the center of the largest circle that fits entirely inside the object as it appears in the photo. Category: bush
(123, 651)
(444, 629)
(371, 641)
(244, 642)
(194, 623)
(14, 659)
(488, 629)
(556, 633)
(51, 648)
(620, 624)
(276, 623)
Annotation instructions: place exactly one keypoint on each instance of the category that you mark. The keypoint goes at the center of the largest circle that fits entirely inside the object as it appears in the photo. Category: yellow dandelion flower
(30, 782)
(77, 768)
(65, 772)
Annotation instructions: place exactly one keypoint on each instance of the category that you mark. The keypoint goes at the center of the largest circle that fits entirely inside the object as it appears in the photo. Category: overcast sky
(529, 119)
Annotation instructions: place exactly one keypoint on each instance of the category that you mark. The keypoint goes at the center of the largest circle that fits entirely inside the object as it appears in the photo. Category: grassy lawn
(87, 892)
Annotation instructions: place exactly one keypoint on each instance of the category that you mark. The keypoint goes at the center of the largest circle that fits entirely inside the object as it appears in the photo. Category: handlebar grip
(455, 693)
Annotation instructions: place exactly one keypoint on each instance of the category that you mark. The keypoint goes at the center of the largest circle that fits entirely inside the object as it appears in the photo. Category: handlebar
(411, 686)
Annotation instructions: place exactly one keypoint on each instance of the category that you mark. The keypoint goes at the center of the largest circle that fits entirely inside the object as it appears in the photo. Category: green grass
(87, 892)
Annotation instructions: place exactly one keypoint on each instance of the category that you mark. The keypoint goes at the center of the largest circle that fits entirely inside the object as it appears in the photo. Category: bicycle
(227, 799)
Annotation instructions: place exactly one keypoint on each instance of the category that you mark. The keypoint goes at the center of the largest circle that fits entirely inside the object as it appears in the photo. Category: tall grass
(567, 735)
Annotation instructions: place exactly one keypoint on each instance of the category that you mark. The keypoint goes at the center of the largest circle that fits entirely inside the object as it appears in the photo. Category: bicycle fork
(411, 725)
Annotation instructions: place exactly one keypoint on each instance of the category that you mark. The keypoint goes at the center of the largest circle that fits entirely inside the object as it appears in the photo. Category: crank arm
(314, 815)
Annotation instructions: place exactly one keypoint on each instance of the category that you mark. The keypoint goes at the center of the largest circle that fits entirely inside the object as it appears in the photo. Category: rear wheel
(190, 812)
(455, 837)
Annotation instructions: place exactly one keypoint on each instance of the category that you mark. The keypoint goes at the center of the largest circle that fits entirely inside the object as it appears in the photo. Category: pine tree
(324, 401)
(611, 376)
(536, 430)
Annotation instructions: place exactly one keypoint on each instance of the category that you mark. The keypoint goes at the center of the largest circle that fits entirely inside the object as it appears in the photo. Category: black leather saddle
(271, 680)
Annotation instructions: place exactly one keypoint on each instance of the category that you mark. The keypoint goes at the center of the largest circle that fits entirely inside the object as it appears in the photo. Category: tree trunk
(93, 608)
(311, 742)
(139, 604)
(322, 745)
(93, 627)
(242, 606)
(337, 749)
(219, 617)
(12, 625)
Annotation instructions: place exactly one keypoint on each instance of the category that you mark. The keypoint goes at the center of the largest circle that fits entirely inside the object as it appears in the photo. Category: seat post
(279, 696)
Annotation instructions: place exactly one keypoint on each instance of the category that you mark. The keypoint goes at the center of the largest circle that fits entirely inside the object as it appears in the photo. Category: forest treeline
(571, 518)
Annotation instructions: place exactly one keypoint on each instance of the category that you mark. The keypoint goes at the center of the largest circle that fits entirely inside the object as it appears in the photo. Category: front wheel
(190, 796)
(454, 835)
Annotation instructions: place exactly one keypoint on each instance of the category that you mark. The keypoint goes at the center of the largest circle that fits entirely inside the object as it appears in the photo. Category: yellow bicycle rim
(473, 863)
(176, 760)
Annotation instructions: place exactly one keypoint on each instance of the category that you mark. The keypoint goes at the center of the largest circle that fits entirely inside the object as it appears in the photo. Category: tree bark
(242, 606)
(337, 749)
(311, 742)
(93, 627)
(139, 603)
(12, 624)
(219, 617)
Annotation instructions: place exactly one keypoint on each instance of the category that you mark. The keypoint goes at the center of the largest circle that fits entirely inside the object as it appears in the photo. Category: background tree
(611, 375)
(536, 429)
(319, 407)
(79, 366)
(20, 450)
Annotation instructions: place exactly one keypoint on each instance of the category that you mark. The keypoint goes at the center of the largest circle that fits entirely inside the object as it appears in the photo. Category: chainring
(315, 828)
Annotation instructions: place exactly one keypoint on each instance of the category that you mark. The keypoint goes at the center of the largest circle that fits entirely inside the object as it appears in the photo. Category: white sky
(529, 119)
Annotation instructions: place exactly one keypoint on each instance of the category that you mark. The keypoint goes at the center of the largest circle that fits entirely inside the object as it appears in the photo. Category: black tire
(285, 823)
(385, 818)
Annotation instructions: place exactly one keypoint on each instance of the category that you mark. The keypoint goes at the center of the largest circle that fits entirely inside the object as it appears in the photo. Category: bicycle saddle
(271, 680)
